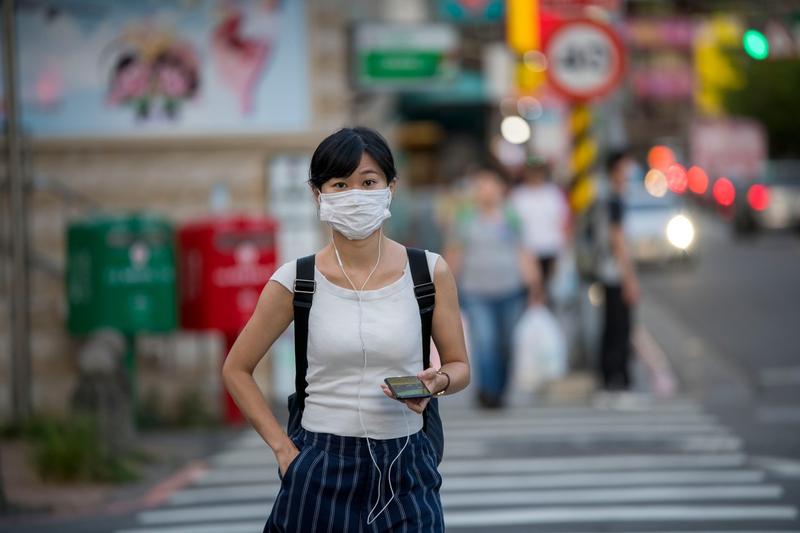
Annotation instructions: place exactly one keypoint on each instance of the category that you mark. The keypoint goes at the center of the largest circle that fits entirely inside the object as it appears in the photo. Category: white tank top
(393, 340)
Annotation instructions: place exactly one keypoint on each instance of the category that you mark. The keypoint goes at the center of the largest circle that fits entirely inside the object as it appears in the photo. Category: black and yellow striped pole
(584, 156)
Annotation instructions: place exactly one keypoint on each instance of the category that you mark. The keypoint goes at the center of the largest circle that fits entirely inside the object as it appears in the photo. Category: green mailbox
(121, 274)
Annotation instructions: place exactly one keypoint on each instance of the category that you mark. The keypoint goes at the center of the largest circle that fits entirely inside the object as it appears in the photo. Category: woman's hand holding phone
(429, 378)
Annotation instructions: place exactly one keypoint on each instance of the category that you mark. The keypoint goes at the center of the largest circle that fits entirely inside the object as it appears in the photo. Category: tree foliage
(771, 95)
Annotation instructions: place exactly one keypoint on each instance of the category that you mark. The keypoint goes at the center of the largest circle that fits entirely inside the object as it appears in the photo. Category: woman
(494, 275)
(365, 463)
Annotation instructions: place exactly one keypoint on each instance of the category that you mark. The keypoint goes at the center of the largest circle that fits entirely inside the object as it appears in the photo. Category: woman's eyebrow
(369, 171)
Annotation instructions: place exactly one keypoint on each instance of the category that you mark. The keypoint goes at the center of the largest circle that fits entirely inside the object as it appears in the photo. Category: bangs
(339, 155)
(336, 157)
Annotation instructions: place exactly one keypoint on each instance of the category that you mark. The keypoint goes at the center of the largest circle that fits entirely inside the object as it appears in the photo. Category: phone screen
(407, 387)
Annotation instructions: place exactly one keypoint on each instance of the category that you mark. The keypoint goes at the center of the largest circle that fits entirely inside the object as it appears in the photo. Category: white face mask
(356, 214)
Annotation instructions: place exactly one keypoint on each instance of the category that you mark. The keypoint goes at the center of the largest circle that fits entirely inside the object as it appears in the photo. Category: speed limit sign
(585, 59)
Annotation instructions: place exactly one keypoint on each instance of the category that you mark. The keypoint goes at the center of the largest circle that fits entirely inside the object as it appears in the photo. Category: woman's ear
(393, 186)
(315, 192)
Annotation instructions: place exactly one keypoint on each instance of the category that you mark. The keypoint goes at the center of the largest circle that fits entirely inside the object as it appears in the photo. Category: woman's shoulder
(285, 274)
(432, 258)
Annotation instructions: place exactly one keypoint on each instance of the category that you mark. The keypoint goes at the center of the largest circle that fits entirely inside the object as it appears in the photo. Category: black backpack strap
(304, 288)
(425, 292)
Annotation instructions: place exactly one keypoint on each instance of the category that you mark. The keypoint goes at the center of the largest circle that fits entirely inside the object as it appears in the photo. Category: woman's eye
(370, 183)
(340, 185)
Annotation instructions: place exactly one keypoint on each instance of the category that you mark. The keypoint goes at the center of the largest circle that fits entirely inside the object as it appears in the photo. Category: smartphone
(407, 387)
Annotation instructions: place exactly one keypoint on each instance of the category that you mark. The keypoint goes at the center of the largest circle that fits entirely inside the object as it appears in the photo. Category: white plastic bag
(540, 350)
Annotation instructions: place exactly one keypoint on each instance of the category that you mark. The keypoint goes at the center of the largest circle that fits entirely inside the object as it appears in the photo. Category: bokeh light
(697, 180)
(758, 197)
(755, 44)
(656, 183)
(660, 157)
(529, 107)
(515, 130)
(680, 232)
(724, 192)
(535, 60)
(676, 178)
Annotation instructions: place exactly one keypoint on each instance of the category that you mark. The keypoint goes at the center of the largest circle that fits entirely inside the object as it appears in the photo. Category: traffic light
(755, 44)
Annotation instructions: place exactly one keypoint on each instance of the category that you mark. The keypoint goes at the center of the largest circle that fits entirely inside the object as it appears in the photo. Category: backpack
(304, 288)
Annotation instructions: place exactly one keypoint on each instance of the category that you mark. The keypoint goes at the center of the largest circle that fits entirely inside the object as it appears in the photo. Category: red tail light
(724, 192)
(676, 178)
(698, 180)
(758, 197)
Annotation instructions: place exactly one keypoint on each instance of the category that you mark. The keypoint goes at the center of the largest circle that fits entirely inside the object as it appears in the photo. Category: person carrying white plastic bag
(539, 352)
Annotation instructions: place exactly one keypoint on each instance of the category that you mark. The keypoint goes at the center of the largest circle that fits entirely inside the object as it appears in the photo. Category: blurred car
(771, 203)
(658, 228)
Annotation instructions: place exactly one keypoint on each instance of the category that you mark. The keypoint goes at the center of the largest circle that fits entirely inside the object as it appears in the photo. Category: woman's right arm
(273, 314)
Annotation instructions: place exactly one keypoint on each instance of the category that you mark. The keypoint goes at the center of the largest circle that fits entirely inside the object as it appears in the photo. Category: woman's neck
(361, 254)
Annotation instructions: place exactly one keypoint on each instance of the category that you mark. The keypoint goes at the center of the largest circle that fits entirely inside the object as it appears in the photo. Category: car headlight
(680, 232)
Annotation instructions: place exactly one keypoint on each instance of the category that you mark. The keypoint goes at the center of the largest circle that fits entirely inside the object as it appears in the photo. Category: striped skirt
(332, 485)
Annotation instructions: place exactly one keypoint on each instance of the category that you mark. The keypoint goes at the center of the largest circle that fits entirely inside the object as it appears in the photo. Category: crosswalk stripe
(248, 457)
(709, 443)
(588, 424)
(470, 445)
(227, 527)
(267, 493)
(202, 514)
(521, 464)
(602, 479)
(479, 444)
(534, 430)
(596, 462)
(639, 494)
(484, 483)
(641, 404)
(576, 416)
(577, 421)
(455, 482)
(555, 425)
(238, 474)
(513, 515)
(649, 513)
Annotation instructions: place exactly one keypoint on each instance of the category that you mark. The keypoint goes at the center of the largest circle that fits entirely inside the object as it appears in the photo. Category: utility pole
(18, 222)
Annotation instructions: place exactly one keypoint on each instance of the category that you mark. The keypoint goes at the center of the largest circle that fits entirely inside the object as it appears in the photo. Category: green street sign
(401, 55)
(401, 64)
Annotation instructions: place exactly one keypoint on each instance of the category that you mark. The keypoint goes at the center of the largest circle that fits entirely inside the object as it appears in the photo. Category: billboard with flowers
(162, 67)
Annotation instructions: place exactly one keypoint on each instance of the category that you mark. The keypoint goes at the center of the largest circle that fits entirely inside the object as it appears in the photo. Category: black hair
(615, 157)
(339, 154)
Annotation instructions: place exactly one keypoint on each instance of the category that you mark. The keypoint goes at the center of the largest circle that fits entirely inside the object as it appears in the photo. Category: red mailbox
(224, 263)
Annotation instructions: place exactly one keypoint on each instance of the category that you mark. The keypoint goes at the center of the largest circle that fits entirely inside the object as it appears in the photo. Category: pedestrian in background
(543, 208)
(495, 277)
(618, 277)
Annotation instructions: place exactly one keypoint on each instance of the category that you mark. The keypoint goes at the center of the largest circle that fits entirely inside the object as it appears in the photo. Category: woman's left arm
(448, 334)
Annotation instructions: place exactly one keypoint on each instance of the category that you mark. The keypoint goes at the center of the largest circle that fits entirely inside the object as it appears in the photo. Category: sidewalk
(176, 454)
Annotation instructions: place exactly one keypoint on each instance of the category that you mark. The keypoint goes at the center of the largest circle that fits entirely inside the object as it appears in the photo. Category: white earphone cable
(371, 518)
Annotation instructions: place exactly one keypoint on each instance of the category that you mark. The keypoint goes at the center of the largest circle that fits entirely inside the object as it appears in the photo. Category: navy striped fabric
(332, 485)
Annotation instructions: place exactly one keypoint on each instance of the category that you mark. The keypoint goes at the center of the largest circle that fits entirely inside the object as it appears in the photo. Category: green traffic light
(755, 44)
